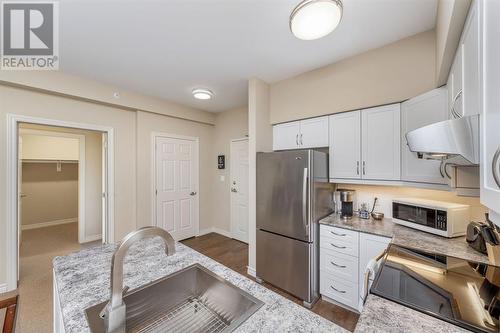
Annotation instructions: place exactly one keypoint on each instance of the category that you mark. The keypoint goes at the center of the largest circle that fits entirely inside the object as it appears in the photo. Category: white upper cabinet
(490, 119)
(464, 79)
(314, 132)
(345, 145)
(286, 136)
(456, 106)
(309, 133)
(381, 143)
(426, 109)
(471, 62)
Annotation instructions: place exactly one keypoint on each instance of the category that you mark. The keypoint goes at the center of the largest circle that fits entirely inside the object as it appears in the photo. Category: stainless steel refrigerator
(293, 193)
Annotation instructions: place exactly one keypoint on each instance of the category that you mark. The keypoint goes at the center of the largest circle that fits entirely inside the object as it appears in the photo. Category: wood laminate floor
(234, 254)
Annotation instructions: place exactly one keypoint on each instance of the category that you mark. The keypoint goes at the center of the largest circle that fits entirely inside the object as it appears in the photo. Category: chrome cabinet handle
(453, 111)
(337, 265)
(495, 168)
(338, 247)
(297, 139)
(301, 142)
(441, 169)
(364, 168)
(304, 201)
(357, 167)
(192, 193)
(339, 291)
(336, 234)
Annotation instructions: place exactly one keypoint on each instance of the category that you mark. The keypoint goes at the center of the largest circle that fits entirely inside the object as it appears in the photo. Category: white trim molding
(11, 244)
(251, 271)
(48, 223)
(92, 238)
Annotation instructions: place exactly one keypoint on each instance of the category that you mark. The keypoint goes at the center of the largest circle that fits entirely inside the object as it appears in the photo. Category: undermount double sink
(193, 299)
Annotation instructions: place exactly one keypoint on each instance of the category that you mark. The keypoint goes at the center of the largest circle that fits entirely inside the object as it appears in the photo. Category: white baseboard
(251, 271)
(3, 288)
(92, 238)
(49, 223)
(216, 230)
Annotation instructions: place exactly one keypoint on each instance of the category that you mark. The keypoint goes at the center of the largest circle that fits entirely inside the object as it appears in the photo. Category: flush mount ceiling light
(313, 19)
(201, 93)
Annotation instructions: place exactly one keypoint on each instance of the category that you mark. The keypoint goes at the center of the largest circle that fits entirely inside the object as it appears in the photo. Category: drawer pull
(336, 234)
(338, 247)
(337, 265)
(339, 291)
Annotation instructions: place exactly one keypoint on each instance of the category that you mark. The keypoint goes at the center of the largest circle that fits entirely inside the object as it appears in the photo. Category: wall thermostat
(221, 162)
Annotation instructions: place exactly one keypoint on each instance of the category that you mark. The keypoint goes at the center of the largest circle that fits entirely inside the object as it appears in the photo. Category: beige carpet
(38, 247)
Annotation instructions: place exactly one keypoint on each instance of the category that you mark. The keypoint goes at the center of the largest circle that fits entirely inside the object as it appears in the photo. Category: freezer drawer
(288, 264)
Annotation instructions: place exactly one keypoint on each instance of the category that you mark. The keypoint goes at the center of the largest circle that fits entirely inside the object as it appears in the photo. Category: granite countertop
(381, 315)
(408, 237)
(82, 280)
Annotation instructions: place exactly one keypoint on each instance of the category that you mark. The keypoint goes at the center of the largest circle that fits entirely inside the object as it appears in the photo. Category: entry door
(239, 190)
(176, 186)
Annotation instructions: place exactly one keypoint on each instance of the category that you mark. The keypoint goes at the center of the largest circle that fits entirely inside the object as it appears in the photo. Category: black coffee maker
(346, 203)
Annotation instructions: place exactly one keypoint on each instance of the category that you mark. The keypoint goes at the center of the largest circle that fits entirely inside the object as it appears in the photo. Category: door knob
(234, 190)
(192, 193)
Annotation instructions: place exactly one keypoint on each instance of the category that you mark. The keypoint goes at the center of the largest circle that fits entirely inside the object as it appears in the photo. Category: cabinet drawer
(340, 240)
(342, 291)
(339, 265)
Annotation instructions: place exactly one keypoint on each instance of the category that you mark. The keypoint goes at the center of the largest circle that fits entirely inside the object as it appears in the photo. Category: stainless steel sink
(191, 300)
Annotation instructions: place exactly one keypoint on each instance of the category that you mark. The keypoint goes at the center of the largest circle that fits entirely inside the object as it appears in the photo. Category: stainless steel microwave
(445, 219)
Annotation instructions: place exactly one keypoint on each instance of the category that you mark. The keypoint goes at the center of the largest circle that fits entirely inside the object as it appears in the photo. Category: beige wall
(148, 123)
(385, 194)
(389, 74)
(36, 104)
(451, 15)
(260, 134)
(50, 195)
(232, 124)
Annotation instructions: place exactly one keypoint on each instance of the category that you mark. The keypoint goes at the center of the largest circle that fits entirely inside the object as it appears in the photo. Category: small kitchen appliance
(441, 218)
(346, 203)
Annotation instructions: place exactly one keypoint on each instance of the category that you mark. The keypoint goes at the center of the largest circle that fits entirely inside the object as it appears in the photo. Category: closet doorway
(60, 208)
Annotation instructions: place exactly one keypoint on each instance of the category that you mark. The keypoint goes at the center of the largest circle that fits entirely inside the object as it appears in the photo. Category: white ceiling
(167, 48)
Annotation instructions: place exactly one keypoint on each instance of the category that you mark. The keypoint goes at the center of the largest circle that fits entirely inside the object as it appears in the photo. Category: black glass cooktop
(462, 292)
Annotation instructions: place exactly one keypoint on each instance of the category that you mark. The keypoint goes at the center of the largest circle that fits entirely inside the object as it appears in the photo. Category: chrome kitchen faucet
(114, 313)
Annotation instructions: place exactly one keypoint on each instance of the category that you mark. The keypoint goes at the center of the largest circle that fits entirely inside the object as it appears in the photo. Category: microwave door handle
(304, 202)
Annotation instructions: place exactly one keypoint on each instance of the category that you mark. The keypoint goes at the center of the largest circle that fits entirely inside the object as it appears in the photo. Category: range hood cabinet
(456, 141)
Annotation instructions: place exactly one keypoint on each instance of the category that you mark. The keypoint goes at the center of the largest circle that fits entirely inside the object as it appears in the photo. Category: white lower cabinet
(342, 266)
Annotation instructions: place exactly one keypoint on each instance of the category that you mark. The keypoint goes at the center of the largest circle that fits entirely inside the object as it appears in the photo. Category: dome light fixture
(202, 93)
(313, 19)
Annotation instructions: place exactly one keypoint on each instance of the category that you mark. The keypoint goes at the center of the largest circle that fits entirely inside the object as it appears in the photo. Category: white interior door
(239, 189)
(177, 186)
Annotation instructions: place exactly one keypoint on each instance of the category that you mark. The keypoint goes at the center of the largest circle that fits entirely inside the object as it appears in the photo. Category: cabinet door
(490, 119)
(345, 145)
(286, 136)
(426, 109)
(456, 106)
(381, 143)
(370, 246)
(471, 62)
(314, 133)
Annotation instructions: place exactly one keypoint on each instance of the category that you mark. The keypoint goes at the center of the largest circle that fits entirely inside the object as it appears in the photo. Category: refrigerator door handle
(304, 201)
